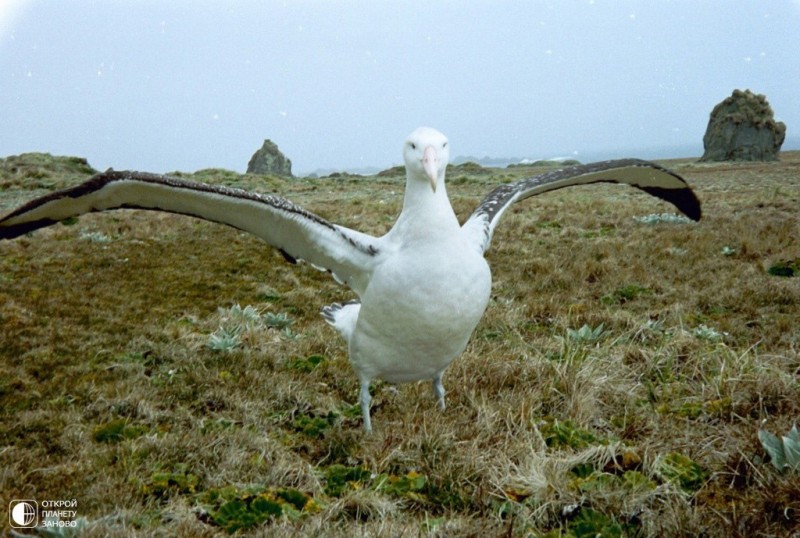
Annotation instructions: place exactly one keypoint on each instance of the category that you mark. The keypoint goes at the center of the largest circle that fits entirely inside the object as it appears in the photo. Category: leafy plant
(634, 480)
(314, 426)
(684, 472)
(180, 481)
(654, 325)
(409, 485)
(234, 321)
(559, 434)
(248, 316)
(591, 523)
(340, 478)
(277, 321)
(236, 509)
(624, 294)
(784, 452)
(224, 339)
(305, 365)
(244, 514)
(116, 431)
(586, 334)
(704, 332)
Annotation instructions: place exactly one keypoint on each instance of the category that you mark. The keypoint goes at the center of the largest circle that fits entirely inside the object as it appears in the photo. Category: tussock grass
(616, 384)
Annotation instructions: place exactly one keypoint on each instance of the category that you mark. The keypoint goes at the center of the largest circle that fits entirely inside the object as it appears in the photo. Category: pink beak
(430, 163)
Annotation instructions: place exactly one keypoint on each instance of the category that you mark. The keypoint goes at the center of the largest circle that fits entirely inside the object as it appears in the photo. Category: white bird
(422, 287)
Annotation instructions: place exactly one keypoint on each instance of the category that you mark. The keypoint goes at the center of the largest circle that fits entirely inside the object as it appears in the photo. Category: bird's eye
(413, 145)
(444, 145)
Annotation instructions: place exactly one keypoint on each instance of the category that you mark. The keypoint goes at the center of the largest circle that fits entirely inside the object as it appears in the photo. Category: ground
(166, 376)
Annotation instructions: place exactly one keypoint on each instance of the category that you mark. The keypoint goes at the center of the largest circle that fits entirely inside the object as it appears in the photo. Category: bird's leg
(366, 400)
(438, 390)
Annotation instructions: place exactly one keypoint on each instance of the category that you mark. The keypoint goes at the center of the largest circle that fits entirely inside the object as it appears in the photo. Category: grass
(616, 385)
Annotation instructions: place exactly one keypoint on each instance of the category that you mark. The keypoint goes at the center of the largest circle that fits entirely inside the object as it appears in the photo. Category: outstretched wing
(297, 233)
(644, 175)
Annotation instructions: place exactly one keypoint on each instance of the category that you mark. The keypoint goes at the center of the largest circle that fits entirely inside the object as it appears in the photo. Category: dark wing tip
(684, 199)
(16, 230)
(96, 182)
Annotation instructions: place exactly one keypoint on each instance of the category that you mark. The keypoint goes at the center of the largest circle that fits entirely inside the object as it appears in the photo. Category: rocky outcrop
(269, 160)
(743, 128)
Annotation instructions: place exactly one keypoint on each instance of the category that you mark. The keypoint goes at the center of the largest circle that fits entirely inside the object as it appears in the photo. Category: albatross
(422, 287)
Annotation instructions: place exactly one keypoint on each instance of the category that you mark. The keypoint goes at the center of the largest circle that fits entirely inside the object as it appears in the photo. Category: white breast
(419, 311)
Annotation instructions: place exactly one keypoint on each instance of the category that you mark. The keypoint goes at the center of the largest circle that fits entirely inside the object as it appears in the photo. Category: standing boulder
(269, 160)
(743, 128)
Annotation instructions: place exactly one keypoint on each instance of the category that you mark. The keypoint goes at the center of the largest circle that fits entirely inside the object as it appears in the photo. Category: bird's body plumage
(422, 287)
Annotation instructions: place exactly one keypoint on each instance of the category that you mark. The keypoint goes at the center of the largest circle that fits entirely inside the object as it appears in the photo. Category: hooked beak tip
(433, 182)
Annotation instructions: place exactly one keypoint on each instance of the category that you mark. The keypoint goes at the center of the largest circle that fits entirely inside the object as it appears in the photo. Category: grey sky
(184, 85)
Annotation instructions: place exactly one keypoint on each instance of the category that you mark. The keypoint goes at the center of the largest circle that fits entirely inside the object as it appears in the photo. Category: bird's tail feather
(342, 317)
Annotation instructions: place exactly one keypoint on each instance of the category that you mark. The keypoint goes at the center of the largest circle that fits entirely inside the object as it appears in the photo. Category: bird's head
(426, 154)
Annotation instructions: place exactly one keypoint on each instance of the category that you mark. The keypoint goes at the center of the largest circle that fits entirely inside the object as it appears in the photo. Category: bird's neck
(426, 211)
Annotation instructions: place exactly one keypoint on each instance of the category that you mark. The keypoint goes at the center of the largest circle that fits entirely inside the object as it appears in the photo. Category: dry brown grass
(648, 430)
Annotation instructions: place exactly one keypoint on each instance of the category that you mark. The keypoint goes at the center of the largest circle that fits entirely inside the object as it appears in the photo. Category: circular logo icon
(23, 513)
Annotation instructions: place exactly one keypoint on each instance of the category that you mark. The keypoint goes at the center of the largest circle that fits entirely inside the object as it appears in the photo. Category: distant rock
(743, 128)
(269, 160)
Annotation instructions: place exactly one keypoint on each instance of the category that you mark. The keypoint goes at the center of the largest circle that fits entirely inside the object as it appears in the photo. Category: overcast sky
(188, 84)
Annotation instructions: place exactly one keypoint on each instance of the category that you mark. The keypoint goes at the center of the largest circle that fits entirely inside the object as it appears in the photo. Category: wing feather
(299, 234)
(649, 177)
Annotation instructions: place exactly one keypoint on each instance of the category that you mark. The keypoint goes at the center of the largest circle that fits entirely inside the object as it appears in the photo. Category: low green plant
(683, 471)
(340, 478)
(277, 321)
(634, 480)
(305, 365)
(659, 218)
(592, 523)
(313, 426)
(249, 316)
(784, 452)
(117, 430)
(624, 294)
(178, 481)
(234, 509)
(704, 332)
(234, 321)
(224, 339)
(410, 485)
(566, 434)
(586, 334)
